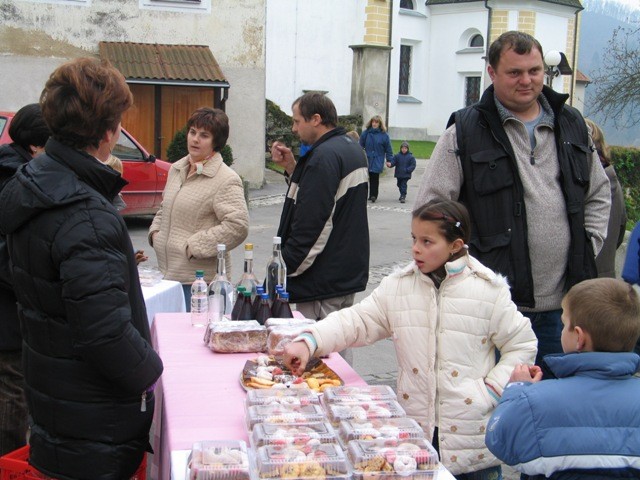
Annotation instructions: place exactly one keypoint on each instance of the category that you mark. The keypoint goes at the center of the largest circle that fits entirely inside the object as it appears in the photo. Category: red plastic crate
(14, 466)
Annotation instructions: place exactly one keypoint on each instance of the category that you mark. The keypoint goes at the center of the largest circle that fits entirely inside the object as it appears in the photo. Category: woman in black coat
(88, 364)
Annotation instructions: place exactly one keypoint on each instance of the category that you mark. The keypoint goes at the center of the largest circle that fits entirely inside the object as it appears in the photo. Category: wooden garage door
(139, 119)
(178, 103)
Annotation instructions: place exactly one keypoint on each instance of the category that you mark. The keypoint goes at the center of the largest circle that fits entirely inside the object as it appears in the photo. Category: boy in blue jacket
(404, 163)
(585, 423)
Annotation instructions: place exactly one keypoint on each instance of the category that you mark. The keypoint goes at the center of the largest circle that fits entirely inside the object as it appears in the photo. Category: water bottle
(248, 279)
(199, 301)
(220, 291)
(276, 270)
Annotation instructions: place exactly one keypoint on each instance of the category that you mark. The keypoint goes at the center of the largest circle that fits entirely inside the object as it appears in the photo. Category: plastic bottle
(199, 301)
(264, 310)
(238, 304)
(220, 291)
(257, 300)
(248, 279)
(245, 311)
(275, 306)
(282, 307)
(276, 270)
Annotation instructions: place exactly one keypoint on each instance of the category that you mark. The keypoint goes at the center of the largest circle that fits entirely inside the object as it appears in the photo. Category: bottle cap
(264, 296)
(221, 247)
(277, 240)
(248, 246)
(199, 273)
(246, 294)
(240, 288)
(284, 295)
(259, 289)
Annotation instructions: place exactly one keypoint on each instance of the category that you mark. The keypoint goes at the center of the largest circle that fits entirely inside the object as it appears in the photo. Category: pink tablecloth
(199, 396)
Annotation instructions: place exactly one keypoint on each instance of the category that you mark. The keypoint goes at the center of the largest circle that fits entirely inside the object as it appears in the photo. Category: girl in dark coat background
(88, 364)
(377, 146)
(404, 163)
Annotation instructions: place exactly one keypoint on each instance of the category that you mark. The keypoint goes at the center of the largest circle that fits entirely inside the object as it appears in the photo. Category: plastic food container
(287, 322)
(363, 411)
(326, 461)
(358, 393)
(219, 460)
(279, 337)
(284, 396)
(373, 459)
(296, 434)
(283, 414)
(402, 428)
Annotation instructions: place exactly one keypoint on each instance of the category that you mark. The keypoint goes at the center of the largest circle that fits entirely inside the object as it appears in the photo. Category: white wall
(308, 49)
(448, 68)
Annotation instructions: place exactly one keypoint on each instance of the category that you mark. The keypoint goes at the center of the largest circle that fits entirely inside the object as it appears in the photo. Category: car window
(125, 149)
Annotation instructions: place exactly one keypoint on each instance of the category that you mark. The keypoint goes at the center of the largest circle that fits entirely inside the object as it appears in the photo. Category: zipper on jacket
(532, 159)
(143, 402)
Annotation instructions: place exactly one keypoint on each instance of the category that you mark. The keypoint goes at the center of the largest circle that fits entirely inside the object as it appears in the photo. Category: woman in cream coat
(203, 205)
(447, 314)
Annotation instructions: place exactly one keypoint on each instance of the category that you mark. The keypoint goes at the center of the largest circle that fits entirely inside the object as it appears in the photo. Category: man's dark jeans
(548, 328)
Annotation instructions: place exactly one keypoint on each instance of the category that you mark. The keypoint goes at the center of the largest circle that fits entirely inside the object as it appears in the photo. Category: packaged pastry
(219, 460)
(297, 434)
(237, 336)
(278, 337)
(283, 414)
(287, 322)
(363, 411)
(401, 428)
(284, 396)
(392, 459)
(353, 394)
(323, 461)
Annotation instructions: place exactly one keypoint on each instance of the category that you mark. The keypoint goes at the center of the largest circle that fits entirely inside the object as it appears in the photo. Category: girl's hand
(526, 373)
(388, 164)
(296, 357)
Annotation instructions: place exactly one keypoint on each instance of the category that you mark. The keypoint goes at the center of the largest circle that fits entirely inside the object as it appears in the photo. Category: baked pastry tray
(317, 376)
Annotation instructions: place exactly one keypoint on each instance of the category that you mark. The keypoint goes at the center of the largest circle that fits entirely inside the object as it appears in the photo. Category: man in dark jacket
(88, 364)
(324, 227)
(29, 133)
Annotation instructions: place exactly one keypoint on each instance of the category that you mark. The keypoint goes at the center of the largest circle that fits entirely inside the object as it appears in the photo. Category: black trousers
(374, 181)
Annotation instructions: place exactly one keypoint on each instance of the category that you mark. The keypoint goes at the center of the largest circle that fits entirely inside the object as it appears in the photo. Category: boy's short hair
(608, 309)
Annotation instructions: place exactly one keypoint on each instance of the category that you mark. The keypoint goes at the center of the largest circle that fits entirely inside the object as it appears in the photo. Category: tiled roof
(581, 77)
(152, 61)
(568, 3)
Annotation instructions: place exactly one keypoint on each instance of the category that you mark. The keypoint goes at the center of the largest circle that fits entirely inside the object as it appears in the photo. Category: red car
(146, 174)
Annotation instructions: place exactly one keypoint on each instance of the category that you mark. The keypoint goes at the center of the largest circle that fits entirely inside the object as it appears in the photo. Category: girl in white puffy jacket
(447, 314)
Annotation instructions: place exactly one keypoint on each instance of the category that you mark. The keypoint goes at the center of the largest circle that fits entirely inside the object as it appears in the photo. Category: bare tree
(617, 81)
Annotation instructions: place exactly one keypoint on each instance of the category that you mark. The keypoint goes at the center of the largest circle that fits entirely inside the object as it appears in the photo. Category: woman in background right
(606, 259)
